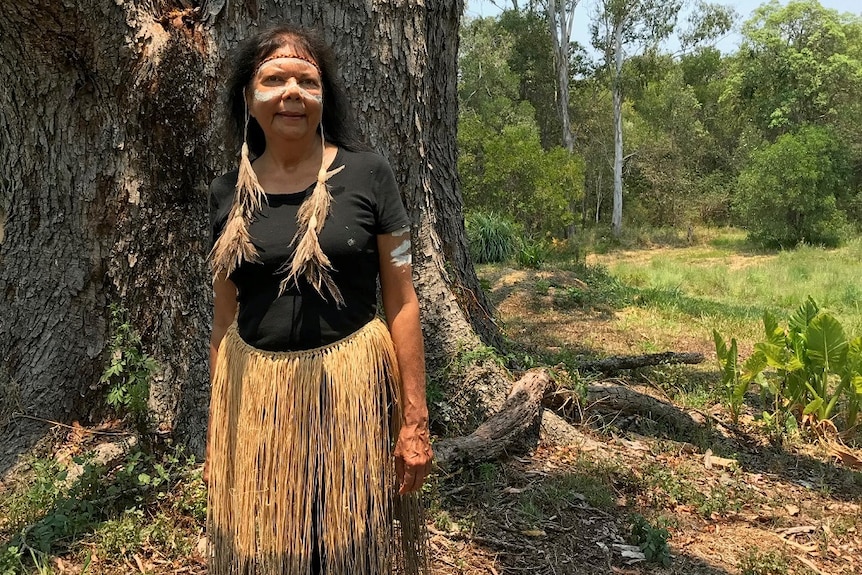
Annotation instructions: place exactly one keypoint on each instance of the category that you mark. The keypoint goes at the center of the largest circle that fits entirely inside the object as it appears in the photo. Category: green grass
(716, 285)
(149, 500)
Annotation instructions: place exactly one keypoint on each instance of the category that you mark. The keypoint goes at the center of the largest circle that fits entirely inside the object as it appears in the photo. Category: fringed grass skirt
(301, 468)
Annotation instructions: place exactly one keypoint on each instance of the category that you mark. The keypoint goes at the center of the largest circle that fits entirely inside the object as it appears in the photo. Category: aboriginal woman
(318, 432)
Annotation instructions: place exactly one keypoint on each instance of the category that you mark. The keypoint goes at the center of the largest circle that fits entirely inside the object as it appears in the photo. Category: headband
(295, 56)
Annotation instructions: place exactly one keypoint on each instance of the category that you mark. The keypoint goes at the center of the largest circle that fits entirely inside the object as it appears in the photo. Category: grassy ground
(630, 493)
(727, 283)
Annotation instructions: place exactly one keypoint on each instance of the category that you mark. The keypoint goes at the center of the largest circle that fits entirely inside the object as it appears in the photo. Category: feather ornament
(234, 246)
(308, 260)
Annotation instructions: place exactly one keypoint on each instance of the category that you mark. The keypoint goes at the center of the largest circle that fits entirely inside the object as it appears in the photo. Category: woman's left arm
(412, 449)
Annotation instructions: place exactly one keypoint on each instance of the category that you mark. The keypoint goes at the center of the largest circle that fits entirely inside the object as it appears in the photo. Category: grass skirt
(301, 464)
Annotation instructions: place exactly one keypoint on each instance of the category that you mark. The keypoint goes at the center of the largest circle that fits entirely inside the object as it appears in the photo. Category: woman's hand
(413, 457)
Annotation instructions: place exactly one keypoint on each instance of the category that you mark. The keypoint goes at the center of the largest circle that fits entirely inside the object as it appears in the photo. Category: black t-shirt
(365, 203)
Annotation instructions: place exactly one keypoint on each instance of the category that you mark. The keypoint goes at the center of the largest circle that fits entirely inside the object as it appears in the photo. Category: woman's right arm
(224, 298)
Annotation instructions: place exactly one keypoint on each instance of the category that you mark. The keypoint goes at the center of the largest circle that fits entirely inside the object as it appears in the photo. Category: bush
(790, 191)
(532, 253)
(508, 171)
(492, 238)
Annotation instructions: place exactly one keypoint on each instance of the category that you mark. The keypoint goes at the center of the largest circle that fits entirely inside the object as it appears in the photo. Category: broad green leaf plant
(811, 367)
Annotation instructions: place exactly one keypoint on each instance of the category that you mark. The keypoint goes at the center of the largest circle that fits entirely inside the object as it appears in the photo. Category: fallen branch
(514, 427)
(617, 363)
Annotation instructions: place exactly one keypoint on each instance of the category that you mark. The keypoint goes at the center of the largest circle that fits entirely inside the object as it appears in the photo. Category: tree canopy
(703, 129)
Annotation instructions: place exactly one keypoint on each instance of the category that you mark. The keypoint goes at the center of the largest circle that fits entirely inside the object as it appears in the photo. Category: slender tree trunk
(107, 119)
(561, 16)
(617, 220)
(598, 197)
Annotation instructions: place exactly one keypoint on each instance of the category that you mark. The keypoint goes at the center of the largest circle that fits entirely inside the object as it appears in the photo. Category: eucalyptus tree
(621, 29)
(561, 18)
(618, 27)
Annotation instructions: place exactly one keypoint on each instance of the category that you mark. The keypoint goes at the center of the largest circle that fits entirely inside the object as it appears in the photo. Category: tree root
(515, 427)
(616, 363)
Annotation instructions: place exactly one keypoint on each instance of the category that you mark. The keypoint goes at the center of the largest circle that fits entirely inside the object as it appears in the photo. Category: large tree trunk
(103, 160)
(108, 114)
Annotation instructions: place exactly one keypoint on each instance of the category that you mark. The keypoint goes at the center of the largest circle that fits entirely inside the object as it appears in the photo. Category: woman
(310, 390)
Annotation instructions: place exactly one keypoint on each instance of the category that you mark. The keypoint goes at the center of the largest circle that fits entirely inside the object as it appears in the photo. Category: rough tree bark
(108, 115)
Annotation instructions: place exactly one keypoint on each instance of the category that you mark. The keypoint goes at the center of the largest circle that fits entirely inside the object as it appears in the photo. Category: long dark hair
(337, 120)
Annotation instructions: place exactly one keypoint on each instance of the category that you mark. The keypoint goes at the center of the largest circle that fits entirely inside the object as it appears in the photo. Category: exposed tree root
(626, 400)
(514, 428)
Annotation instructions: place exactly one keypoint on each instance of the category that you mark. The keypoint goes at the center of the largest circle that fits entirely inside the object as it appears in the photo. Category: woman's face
(285, 96)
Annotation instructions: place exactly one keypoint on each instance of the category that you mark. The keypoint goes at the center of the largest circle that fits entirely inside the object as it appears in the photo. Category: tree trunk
(108, 114)
(617, 219)
(101, 198)
(561, 16)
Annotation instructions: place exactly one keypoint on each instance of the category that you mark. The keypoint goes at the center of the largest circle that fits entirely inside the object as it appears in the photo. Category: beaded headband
(296, 56)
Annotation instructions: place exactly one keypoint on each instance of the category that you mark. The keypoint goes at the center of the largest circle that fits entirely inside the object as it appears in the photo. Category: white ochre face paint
(401, 255)
(279, 93)
(276, 78)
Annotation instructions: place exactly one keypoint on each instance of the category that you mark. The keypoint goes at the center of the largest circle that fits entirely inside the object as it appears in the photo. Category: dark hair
(337, 121)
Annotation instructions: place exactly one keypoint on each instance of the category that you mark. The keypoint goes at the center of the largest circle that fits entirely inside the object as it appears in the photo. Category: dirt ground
(725, 498)
(730, 500)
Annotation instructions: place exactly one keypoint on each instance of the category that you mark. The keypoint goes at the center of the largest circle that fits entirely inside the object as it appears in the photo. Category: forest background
(737, 174)
(762, 137)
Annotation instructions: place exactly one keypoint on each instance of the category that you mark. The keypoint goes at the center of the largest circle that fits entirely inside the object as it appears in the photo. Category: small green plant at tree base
(811, 365)
(651, 540)
(130, 370)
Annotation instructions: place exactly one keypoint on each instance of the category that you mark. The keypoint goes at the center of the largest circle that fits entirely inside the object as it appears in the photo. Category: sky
(744, 8)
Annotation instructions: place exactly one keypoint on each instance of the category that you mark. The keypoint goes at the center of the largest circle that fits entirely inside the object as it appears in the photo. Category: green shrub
(532, 253)
(790, 192)
(492, 237)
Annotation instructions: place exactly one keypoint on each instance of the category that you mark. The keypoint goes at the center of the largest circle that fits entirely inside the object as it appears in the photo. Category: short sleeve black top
(365, 203)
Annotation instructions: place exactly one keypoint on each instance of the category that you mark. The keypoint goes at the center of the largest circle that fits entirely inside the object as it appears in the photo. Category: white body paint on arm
(401, 255)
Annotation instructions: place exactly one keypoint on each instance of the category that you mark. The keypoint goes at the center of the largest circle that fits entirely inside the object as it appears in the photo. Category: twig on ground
(478, 539)
(67, 426)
